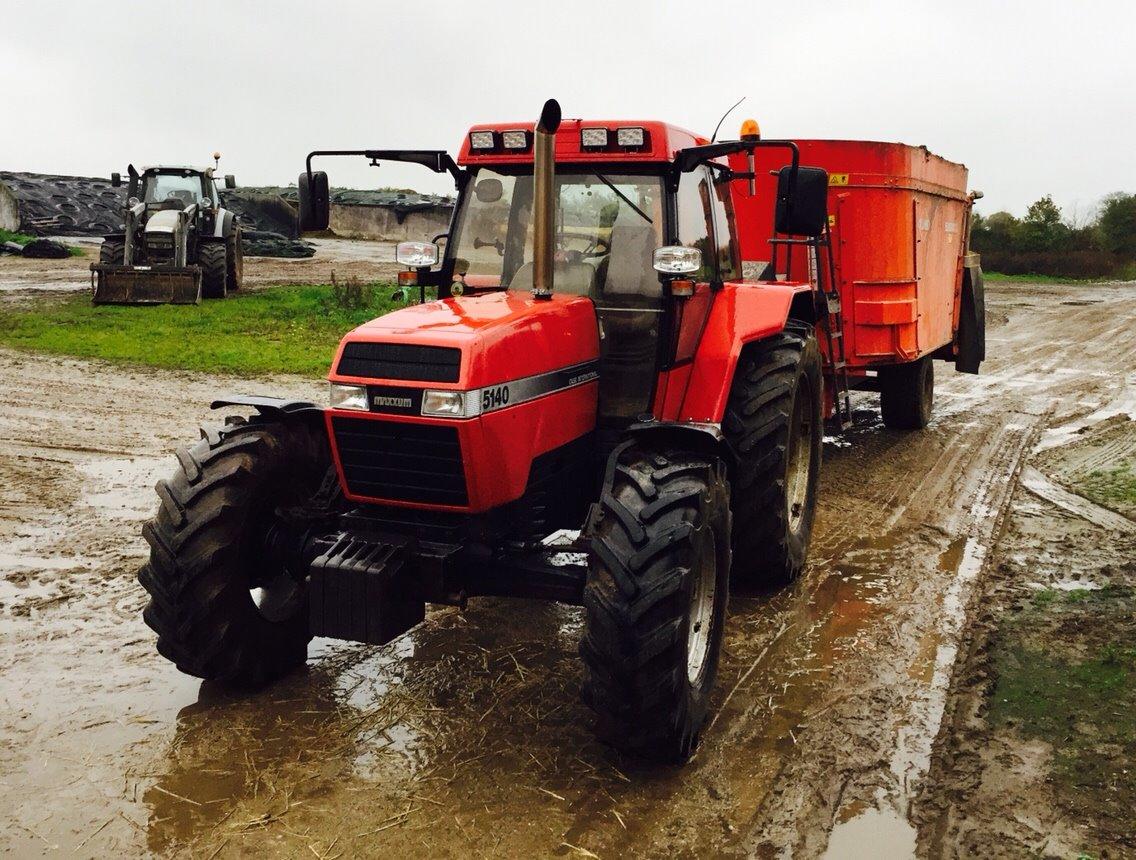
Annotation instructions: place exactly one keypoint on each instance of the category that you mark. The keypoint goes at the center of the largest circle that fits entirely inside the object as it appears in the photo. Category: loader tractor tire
(222, 609)
(774, 424)
(112, 252)
(907, 394)
(235, 260)
(655, 601)
(214, 270)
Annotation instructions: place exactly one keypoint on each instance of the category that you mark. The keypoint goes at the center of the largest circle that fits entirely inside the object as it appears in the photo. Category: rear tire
(773, 423)
(207, 553)
(214, 270)
(907, 394)
(112, 252)
(655, 601)
(235, 260)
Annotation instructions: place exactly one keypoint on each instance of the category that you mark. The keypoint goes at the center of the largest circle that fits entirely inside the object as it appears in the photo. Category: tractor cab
(175, 187)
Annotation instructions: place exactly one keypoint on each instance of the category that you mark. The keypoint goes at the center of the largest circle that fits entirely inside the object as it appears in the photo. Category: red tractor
(598, 409)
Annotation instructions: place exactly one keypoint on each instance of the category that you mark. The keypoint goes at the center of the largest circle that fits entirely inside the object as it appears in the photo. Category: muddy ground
(367, 261)
(466, 736)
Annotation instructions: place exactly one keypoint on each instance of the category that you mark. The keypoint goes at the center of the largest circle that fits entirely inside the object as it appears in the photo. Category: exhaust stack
(544, 200)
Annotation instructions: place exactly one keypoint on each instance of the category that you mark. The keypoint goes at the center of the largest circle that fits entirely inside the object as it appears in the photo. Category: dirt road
(467, 736)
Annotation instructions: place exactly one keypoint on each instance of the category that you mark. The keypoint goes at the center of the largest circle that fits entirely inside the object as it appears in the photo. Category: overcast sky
(1035, 97)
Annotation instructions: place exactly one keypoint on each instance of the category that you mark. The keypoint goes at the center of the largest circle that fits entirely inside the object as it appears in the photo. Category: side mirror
(802, 208)
(677, 260)
(132, 187)
(416, 254)
(230, 181)
(315, 202)
(116, 180)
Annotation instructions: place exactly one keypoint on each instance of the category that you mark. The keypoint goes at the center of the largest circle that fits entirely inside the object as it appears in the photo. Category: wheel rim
(799, 463)
(701, 614)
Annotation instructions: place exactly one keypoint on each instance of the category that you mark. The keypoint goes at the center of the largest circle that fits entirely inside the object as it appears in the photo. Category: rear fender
(741, 314)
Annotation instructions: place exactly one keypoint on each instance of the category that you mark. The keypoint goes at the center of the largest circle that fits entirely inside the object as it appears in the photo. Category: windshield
(608, 226)
(172, 186)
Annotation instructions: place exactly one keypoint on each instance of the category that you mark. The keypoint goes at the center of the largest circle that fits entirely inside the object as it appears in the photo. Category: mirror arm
(436, 160)
(689, 158)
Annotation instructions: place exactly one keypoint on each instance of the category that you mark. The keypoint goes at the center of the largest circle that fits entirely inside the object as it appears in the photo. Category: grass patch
(18, 238)
(999, 278)
(24, 238)
(1110, 487)
(1066, 674)
(279, 330)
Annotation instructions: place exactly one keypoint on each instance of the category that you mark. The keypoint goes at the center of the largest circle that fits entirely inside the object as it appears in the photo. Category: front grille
(400, 361)
(399, 461)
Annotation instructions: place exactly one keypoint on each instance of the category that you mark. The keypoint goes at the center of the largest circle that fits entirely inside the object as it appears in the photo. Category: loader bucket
(142, 285)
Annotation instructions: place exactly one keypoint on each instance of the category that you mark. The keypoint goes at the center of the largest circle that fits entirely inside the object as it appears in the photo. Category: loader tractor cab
(178, 243)
(597, 409)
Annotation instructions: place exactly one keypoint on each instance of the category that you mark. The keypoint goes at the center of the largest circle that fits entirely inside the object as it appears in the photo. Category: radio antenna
(723, 119)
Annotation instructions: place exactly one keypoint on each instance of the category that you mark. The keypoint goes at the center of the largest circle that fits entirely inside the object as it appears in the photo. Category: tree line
(1044, 242)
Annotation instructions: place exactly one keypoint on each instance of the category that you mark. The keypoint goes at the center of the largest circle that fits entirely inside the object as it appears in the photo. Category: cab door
(695, 203)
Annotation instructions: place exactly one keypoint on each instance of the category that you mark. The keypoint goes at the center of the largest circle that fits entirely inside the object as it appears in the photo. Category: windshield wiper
(623, 197)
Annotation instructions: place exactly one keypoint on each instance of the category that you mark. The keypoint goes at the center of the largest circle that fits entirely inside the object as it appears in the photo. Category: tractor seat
(576, 278)
(630, 264)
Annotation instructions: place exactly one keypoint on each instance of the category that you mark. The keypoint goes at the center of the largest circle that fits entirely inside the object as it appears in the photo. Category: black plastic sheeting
(401, 202)
(52, 205)
(66, 205)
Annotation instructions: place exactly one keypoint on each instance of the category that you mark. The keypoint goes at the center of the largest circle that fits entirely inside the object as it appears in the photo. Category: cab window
(724, 232)
(695, 224)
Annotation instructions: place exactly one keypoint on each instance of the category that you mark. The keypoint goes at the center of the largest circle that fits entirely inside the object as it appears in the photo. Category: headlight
(348, 396)
(416, 254)
(444, 403)
(677, 260)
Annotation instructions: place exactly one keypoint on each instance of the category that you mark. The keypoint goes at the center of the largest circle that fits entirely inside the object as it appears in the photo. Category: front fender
(277, 408)
(741, 314)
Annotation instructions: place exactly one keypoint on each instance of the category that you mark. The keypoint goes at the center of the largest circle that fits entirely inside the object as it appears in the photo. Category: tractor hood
(527, 372)
(162, 221)
(500, 336)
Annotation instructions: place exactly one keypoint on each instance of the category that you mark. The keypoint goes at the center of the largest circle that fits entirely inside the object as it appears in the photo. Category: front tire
(214, 270)
(907, 394)
(221, 609)
(655, 601)
(773, 422)
(112, 252)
